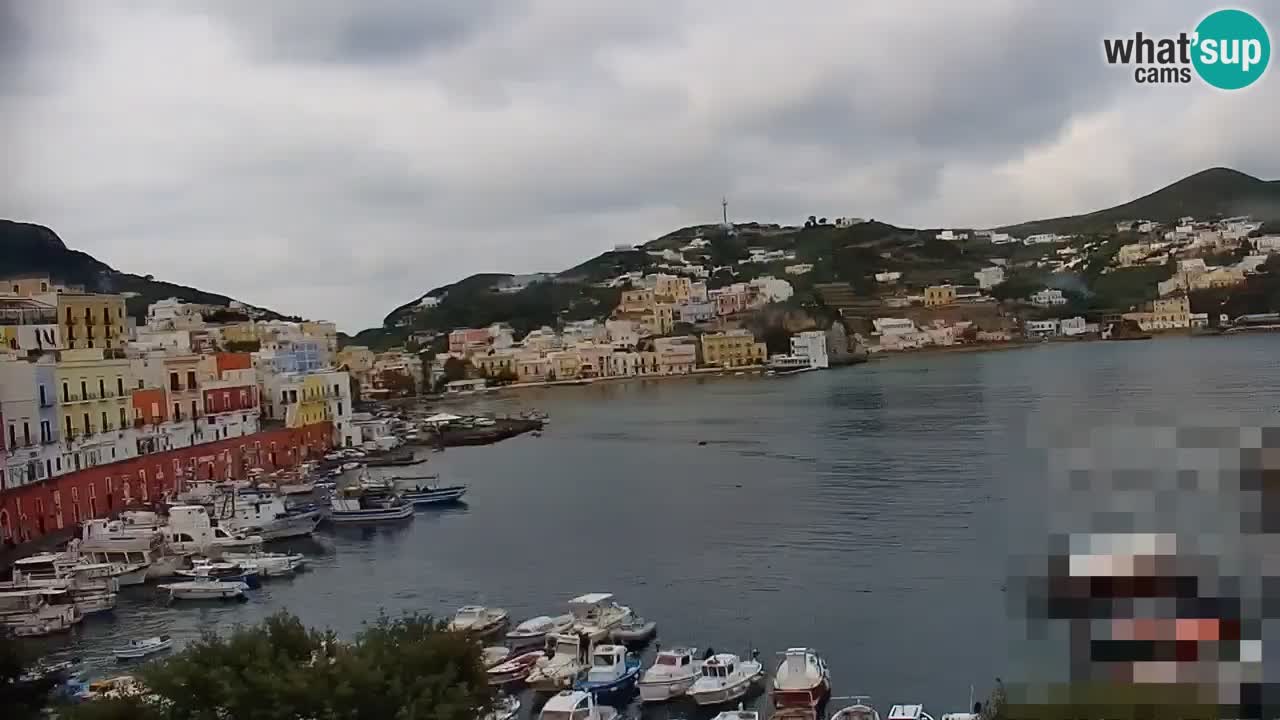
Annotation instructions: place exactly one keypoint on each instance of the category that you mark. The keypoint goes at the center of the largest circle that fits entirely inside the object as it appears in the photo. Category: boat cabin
(568, 705)
(675, 658)
(608, 662)
(908, 712)
(719, 667)
(566, 645)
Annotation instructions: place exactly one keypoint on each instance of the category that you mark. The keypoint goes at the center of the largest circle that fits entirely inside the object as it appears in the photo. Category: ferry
(789, 365)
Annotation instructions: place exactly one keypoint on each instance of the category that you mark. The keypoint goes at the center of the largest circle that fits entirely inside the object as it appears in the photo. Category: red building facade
(35, 510)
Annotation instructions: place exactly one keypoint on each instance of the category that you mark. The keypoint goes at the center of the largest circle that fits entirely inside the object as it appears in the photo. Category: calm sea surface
(866, 511)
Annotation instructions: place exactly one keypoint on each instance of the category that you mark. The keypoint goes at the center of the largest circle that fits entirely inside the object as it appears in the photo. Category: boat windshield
(604, 660)
(666, 660)
(469, 614)
(567, 647)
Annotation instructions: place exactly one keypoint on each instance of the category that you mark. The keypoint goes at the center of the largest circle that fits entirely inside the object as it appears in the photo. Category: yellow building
(93, 392)
(734, 348)
(495, 365)
(312, 406)
(358, 359)
(28, 285)
(242, 332)
(636, 300)
(673, 288)
(1166, 313)
(939, 295)
(660, 320)
(565, 365)
(88, 320)
(532, 368)
(326, 332)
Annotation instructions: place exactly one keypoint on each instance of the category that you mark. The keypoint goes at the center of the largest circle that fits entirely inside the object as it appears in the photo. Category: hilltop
(1210, 193)
(29, 248)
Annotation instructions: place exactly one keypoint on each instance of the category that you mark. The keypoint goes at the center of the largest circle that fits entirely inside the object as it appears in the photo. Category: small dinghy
(506, 707)
(135, 649)
(635, 631)
(534, 631)
(515, 669)
(859, 710)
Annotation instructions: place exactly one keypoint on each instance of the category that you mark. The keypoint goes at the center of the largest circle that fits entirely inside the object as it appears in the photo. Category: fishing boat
(563, 668)
(859, 710)
(433, 494)
(802, 680)
(478, 620)
(356, 505)
(596, 615)
(613, 672)
(205, 590)
(534, 630)
(206, 569)
(576, 705)
(269, 564)
(514, 669)
(908, 712)
(725, 677)
(506, 707)
(267, 515)
(135, 649)
(672, 674)
(635, 631)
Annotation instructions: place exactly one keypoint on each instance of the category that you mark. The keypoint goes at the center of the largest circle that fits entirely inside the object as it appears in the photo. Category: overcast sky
(337, 159)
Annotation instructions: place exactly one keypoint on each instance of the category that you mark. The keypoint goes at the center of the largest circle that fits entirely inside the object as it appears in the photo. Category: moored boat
(269, 564)
(613, 672)
(135, 649)
(36, 612)
(908, 712)
(353, 505)
(506, 707)
(635, 631)
(725, 677)
(672, 674)
(478, 620)
(739, 714)
(514, 669)
(205, 569)
(802, 680)
(596, 615)
(534, 631)
(575, 705)
(205, 590)
(859, 710)
(563, 668)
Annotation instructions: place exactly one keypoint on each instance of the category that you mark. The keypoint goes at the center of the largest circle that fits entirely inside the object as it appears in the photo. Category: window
(84, 389)
(43, 401)
(66, 393)
(124, 418)
(88, 427)
(177, 412)
(191, 380)
(120, 386)
(173, 381)
(105, 424)
(195, 410)
(46, 431)
(102, 387)
(57, 463)
(13, 438)
(48, 468)
(140, 385)
(339, 408)
(106, 315)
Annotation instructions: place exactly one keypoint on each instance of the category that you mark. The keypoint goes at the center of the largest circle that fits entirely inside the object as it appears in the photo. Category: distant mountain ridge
(1209, 193)
(27, 248)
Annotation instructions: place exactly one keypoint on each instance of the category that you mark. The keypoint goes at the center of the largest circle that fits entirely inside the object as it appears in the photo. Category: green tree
(20, 700)
(455, 369)
(409, 669)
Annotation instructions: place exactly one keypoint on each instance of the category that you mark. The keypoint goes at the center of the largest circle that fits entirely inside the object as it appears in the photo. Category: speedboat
(504, 708)
(135, 649)
(859, 710)
(206, 590)
(596, 614)
(564, 667)
(673, 672)
(635, 631)
(801, 681)
(725, 677)
(534, 631)
(514, 669)
(613, 672)
(908, 712)
(478, 620)
(576, 705)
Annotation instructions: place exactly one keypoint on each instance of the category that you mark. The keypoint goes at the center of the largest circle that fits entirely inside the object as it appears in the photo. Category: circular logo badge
(1232, 49)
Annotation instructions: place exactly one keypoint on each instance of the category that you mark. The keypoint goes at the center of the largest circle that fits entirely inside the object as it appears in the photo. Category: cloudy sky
(336, 159)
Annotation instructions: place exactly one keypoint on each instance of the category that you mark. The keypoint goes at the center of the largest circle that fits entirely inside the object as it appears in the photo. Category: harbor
(856, 512)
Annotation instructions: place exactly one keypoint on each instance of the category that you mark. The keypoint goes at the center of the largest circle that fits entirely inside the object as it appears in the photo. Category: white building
(1049, 296)
(952, 235)
(1042, 238)
(811, 344)
(771, 289)
(1073, 326)
(888, 277)
(429, 301)
(1267, 244)
(844, 222)
(989, 277)
(622, 334)
(1042, 328)
(999, 238)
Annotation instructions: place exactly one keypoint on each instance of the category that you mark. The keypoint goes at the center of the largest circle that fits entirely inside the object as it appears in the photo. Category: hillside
(1217, 192)
(29, 248)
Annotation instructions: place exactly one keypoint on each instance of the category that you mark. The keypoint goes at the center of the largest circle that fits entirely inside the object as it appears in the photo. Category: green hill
(1217, 192)
(28, 248)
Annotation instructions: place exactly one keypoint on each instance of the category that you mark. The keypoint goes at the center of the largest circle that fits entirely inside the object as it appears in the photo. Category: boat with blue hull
(613, 672)
(359, 505)
(418, 490)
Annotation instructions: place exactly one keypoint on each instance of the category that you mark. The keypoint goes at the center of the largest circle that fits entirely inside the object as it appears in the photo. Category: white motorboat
(266, 515)
(269, 564)
(354, 505)
(672, 674)
(576, 705)
(802, 680)
(596, 614)
(563, 668)
(534, 631)
(297, 488)
(908, 712)
(636, 631)
(206, 590)
(135, 649)
(506, 707)
(739, 714)
(725, 677)
(478, 620)
(206, 569)
(494, 655)
(35, 612)
(859, 710)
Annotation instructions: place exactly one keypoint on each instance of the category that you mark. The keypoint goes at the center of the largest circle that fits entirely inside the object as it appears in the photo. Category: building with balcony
(733, 348)
(91, 320)
(28, 422)
(230, 405)
(95, 407)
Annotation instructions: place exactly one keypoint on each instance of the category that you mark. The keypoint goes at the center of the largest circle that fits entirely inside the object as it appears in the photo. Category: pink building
(465, 341)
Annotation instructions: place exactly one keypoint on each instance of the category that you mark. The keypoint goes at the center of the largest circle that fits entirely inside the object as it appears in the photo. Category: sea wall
(55, 506)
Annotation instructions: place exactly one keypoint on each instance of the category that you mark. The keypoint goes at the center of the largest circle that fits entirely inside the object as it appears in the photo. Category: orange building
(148, 406)
(233, 361)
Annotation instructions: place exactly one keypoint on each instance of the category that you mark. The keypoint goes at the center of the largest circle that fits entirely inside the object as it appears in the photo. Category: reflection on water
(863, 511)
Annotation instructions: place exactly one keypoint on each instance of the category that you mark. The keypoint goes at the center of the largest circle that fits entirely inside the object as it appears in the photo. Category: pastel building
(733, 348)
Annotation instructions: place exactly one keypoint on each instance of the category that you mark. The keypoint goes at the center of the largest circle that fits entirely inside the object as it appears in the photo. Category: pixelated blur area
(1154, 575)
